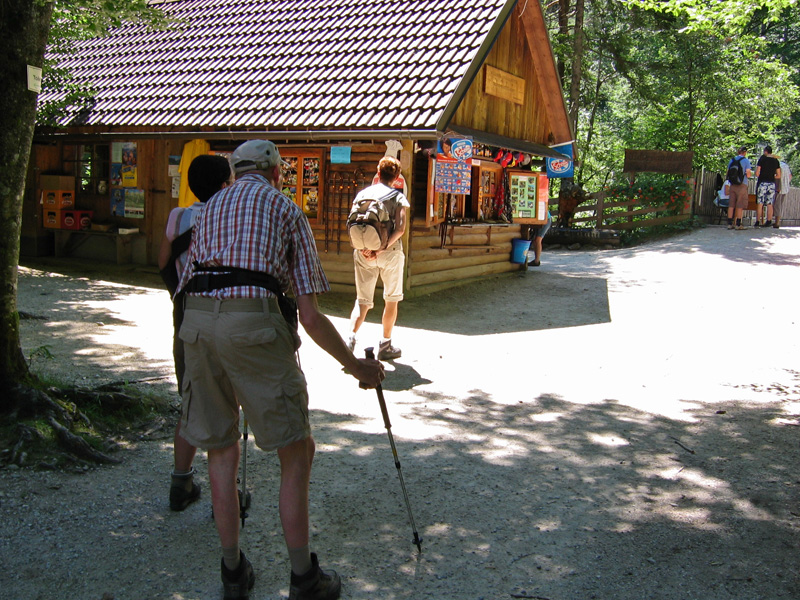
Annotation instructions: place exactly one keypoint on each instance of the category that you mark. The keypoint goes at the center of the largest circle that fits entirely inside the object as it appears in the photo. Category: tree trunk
(577, 67)
(24, 27)
(563, 35)
(593, 114)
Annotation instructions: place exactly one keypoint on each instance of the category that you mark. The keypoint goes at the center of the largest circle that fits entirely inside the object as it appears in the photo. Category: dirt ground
(615, 424)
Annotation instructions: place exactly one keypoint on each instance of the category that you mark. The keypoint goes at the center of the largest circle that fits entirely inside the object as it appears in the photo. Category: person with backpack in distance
(251, 244)
(376, 225)
(768, 169)
(739, 169)
(207, 174)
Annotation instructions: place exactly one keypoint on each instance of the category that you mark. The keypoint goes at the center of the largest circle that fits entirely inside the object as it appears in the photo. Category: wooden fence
(599, 213)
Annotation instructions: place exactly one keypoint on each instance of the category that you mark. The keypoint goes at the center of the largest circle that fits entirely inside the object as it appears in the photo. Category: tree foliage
(682, 75)
(726, 17)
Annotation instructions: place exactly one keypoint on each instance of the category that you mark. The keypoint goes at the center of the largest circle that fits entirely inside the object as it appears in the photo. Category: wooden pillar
(407, 163)
(601, 198)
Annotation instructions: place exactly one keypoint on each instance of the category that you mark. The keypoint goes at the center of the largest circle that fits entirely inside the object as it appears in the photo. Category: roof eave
(332, 135)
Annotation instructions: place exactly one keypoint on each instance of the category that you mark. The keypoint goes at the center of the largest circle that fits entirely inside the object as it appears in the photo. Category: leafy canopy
(723, 16)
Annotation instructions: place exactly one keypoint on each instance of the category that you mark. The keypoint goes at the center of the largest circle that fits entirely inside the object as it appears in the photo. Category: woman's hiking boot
(316, 584)
(237, 584)
(183, 490)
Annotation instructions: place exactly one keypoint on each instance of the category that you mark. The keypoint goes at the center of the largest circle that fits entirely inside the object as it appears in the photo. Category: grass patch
(106, 418)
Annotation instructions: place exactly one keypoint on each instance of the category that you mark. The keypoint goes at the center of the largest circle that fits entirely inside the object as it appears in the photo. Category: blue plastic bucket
(519, 251)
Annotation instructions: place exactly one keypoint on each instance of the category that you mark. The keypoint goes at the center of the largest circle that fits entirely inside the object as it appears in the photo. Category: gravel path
(618, 424)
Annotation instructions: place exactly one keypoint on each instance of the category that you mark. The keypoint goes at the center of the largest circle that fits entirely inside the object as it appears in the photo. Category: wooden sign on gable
(658, 161)
(504, 85)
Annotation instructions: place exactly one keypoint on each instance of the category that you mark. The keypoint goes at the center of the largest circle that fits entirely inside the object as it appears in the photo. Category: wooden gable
(516, 92)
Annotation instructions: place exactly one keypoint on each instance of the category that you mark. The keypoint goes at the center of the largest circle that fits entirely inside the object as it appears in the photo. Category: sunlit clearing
(438, 529)
(607, 439)
(504, 452)
(401, 428)
(147, 308)
(792, 408)
(550, 525)
(698, 478)
(699, 518)
(751, 512)
(547, 417)
(362, 451)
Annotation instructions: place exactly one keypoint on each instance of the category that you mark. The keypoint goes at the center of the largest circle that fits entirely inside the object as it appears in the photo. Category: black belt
(227, 277)
(232, 304)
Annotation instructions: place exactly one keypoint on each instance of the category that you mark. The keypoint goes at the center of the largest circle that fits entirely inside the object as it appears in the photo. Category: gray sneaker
(316, 584)
(388, 352)
(351, 343)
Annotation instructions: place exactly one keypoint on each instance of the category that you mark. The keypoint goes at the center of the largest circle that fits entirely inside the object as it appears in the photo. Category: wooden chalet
(336, 84)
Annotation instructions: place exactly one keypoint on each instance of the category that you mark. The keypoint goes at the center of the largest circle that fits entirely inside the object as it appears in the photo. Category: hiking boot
(768, 224)
(740, 227)
(775, 225)
(179, 496)
(757, 224)
(731, 226)
(534, 263)
(316, 584)
(238, 583)
(388, 352)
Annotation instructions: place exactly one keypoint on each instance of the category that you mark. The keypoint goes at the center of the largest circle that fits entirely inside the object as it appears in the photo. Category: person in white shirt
(783, 189)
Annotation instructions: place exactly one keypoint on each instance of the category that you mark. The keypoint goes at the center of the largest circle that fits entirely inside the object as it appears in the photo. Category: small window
(90, 163)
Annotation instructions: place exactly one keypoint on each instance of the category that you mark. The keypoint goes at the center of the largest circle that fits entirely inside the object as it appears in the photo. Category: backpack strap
(181, 244)
(169, 274)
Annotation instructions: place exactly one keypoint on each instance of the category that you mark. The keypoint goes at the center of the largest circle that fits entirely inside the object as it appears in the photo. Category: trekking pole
(244, 495)
(417, 540)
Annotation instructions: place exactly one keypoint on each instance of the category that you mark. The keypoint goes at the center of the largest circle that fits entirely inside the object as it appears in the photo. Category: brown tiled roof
(284, 64)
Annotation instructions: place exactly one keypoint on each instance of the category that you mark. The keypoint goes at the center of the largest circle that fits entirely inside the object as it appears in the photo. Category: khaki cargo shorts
(739, 198)
(240, 352)
(389, 266)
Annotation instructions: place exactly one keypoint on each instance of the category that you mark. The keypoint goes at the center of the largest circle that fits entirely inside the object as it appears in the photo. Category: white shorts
(389, 266)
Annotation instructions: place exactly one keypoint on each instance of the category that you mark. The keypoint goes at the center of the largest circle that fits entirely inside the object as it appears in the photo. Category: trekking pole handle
(370, 353)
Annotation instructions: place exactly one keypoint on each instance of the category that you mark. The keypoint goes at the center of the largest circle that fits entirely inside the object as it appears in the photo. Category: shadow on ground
(538, 499)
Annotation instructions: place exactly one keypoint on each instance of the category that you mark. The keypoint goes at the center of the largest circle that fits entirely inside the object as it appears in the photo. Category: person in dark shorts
(739, 196)
(538, 233)
(207, 175)
(768, 170)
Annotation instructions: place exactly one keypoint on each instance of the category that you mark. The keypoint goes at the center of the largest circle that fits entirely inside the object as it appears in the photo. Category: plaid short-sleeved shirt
(251, 225)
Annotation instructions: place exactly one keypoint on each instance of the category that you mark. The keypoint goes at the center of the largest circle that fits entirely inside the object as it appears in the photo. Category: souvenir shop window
(303, 181)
